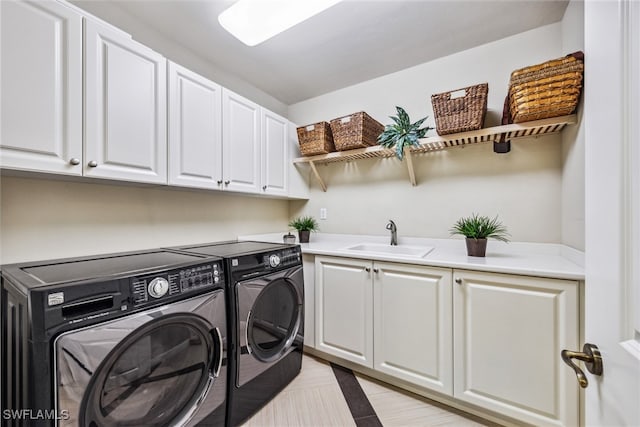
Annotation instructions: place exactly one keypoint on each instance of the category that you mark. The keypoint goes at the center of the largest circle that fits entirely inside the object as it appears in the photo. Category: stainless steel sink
(397, 251)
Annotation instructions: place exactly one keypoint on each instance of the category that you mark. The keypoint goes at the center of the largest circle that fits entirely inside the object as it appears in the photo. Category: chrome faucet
(394, 232)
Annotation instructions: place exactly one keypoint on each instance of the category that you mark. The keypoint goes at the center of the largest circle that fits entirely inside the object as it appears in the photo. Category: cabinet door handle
(458, 281)
(367, 269)
(227, 182)
(264, 188)
(375, 270)
(93, 164)
(74, 161)
(219, 182)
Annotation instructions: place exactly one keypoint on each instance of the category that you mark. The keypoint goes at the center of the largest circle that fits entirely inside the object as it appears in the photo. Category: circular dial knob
(274, 260)
(158, 287)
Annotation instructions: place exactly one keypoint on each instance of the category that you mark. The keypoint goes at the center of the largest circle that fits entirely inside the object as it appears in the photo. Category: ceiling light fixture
(254, 21)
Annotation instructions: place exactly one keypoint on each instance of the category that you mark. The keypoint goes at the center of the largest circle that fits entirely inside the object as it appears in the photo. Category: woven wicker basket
(357, 130)
(546, 90)
(315, 139)
(460, 114)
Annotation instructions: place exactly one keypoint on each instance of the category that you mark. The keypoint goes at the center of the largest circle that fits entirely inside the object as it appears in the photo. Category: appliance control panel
(282, 258)
(154, 287)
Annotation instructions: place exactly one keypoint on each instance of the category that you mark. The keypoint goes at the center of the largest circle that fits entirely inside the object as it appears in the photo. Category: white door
(240, 143)
(41, 103)
(612, 157)
(195, 129)
(275, 154)
(508, 333)
(344, 308)
(125, 108)
(412, 323)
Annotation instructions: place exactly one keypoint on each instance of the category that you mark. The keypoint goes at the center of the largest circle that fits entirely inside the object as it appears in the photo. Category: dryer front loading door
(151, 368)
(270, 321)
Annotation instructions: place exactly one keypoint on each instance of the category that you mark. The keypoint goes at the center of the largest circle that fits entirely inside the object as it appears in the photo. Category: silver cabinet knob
(367, 269)
(74, 161)
(264, 188)
(93, 164)
(227, 182)
(458, 281)
(219, 182)
(375, 270)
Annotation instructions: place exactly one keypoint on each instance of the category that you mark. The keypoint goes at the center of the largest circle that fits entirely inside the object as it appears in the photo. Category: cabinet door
(125, 109)
(240, 143)
(41, 102)
(195, 129)
(344, 302)
(275, 154)
(508, 334)
(413, 324)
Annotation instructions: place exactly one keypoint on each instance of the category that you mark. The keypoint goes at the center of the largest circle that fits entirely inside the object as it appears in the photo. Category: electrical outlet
(323, 213)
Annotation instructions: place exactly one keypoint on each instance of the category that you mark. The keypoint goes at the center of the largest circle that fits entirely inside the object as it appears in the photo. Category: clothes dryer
(266, 304)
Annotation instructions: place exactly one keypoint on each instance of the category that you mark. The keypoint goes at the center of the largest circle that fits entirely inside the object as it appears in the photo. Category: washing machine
(266, 306)
(129, 339)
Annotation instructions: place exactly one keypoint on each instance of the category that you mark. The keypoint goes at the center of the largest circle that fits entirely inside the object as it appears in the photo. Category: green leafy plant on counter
(304, 223)
(402, 133)
(480, 227)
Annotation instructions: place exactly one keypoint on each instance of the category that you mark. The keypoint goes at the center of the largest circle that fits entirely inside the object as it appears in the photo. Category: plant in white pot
(305, 225)
(477, 229)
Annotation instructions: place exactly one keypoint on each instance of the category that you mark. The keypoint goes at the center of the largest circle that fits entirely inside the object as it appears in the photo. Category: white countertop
(532, 259)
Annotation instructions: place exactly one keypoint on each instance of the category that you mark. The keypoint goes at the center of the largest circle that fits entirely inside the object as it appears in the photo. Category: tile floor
(314, 398)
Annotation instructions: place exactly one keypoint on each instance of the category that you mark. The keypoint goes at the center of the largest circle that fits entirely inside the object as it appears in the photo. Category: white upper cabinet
(41, 102)
(275, 154)
(240, 143)
(125, 107)
(195, 129)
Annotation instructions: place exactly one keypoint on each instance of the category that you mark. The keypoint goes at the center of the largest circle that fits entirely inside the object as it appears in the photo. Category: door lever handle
(591, 357)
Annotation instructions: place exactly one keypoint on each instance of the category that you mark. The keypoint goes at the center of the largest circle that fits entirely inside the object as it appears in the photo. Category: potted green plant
(477, 229)
(402, 133)
(305, 225)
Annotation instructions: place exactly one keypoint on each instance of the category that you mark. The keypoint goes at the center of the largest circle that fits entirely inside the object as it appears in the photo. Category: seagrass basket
(454, 113)
(315, 139)
(549, 89)
(357, 130)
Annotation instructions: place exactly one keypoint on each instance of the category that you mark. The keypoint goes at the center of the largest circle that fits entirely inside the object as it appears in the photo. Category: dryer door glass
(274, 320)
(155, 376)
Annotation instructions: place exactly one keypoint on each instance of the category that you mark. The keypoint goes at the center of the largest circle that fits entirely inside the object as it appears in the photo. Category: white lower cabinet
(344, 309)
(488, 339)
(508, 334)
(412, 324)
(395, 318)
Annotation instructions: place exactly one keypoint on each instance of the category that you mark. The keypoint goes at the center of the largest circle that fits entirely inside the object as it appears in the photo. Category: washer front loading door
(269, 321)
(150, 368)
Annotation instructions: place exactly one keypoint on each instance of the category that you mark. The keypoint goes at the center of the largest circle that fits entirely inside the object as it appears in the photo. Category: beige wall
(573, 145)
(43, 219)
(523, 187)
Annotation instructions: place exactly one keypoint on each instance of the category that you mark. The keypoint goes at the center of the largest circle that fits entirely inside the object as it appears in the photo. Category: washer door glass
(274, 320)
(155, 376)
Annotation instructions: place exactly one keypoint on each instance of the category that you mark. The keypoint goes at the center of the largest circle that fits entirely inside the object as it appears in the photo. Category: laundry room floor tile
(314, 399)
